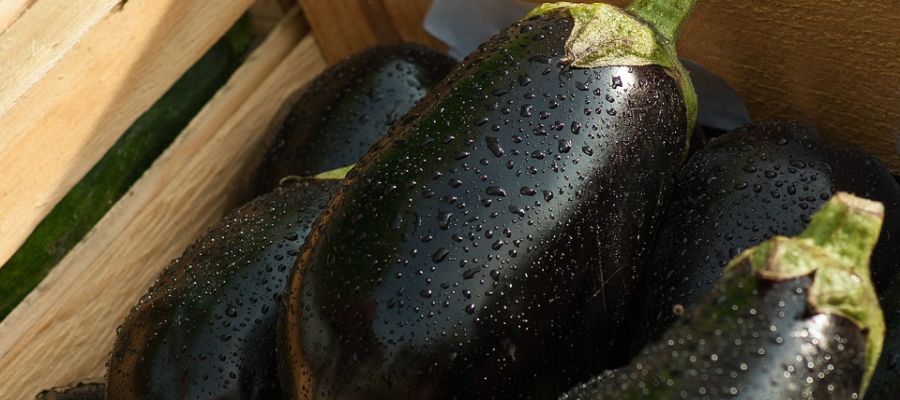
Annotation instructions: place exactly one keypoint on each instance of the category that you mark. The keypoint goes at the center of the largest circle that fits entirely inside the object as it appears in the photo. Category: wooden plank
(834, 64)
(91, 90)
(39, 39)
(65, 329)
(344, 27)
(11, 10)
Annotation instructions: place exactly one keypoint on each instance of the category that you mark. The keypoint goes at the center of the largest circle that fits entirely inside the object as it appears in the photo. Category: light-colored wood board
(834, 64)
(345, 27)
(58, 129)
(40, 38)
(11, 10)
(65, 329)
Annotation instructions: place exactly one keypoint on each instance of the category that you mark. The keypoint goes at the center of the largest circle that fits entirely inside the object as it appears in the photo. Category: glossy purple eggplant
(762, 180)
(792, 318)
(486, 248)
(348, 108)
(206, 328)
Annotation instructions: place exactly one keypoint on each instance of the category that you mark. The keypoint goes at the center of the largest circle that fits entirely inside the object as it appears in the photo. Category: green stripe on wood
(74, 216)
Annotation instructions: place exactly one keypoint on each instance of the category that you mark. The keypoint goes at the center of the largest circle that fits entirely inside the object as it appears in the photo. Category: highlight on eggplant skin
(486, 247)
(765, 179)
(342, 112)
(792, 318)
(85, 390)
(206, 328)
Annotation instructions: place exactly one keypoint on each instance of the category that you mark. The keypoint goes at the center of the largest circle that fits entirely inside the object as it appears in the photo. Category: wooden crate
(824, 62)
(64, 329)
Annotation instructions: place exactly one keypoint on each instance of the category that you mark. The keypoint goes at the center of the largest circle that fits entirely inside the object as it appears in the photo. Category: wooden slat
(39, 39)
(344, 27)
(59, 117)
(11, 10)
(65, 329)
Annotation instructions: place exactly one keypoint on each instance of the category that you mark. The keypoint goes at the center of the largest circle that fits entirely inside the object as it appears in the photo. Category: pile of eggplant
(538, 222)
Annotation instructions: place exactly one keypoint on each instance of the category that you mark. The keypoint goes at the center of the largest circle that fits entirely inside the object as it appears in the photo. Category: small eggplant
(348, 107)
(206, 328)
(792, 318)
(763, 180)
(485, 247)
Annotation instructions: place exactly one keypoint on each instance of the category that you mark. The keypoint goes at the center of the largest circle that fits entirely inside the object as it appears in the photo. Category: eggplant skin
(206, 328)
(341, 113)
(88, 390)
(757, 342)
(486, 248)
(762, 180)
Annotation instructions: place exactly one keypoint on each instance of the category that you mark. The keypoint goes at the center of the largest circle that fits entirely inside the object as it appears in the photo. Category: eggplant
(341, 113)
(792, 318)
(87, 390)
(206, 328)
(762, 180)
(886, 381)
(485, 247)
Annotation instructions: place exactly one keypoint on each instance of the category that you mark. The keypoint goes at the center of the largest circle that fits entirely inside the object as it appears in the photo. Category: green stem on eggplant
(605, 35)
(848, 228)
(789, 318)
(337, 173)
(666, 16)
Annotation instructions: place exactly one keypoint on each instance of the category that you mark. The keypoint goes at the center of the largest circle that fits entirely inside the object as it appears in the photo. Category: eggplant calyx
(604, 35)
(667, 16)
(335, 174)
(848, 227)
(834, 250)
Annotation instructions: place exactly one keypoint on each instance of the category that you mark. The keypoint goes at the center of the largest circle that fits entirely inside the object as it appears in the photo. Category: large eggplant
(486, 248)
(349, 107)
(793, 318)
(206, 328)
(763, 180)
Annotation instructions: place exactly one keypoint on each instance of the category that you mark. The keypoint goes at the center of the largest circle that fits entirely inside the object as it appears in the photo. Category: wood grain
(344, 27)
(834, 64)
(39, 39)
(65, 328)
(57, 123)
(11, 10)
